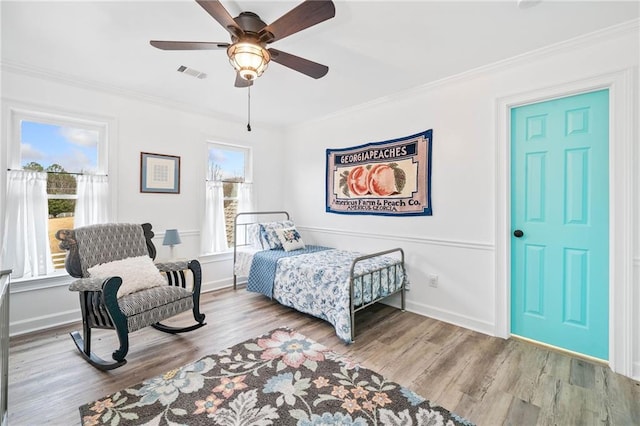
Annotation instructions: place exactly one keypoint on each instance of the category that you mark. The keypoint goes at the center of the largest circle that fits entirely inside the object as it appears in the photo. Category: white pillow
(137, 273)
(254, 236)
(290, 238)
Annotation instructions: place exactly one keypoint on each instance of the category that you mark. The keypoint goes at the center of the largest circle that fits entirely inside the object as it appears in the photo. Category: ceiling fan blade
(188, 45)
(305, 15)
(220, 14)
(305, 66)
(241, 82)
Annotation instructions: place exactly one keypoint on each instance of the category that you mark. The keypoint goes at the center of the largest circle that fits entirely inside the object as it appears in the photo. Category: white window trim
(248, 178)
(13, 111)
(18, 114)
(248, 165)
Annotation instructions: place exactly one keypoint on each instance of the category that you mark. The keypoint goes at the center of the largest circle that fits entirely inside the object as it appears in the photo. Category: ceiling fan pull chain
(249, 108)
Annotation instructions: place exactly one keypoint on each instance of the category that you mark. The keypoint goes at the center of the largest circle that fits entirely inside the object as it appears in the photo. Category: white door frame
(621, 207)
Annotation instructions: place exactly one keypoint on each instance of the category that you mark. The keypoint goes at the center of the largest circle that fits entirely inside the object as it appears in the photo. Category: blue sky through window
(231, 162)
(76, 150)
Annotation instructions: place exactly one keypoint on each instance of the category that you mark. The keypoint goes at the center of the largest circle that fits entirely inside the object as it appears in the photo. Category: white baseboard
(43, 322)
(635, 373)
(483, 327)
(210, 286)
(442, 315)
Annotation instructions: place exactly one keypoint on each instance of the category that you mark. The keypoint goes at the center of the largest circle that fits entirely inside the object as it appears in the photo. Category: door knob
(518, 233)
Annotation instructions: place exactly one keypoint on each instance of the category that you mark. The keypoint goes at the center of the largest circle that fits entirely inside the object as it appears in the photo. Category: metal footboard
(392, 286)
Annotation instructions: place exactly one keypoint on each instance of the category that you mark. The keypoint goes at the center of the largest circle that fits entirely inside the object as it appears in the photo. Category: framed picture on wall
(159, 173)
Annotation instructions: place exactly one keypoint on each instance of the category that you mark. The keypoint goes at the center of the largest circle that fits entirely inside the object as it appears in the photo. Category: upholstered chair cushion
(153, 305)
(108, 242)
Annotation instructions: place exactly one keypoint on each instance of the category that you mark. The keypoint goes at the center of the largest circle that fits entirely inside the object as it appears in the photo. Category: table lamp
(171, 238)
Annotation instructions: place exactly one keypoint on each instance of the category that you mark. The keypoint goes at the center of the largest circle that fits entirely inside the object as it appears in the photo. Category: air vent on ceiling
(525, 4)
(192, 72)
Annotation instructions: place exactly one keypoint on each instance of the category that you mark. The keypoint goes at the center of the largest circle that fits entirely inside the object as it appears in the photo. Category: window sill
(59, 278)
(222, 256)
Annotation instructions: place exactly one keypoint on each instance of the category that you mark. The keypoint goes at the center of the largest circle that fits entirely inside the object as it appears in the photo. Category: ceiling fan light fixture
(250, 60)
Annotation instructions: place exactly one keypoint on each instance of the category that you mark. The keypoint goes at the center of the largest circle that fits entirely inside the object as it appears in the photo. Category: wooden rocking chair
(101, 308)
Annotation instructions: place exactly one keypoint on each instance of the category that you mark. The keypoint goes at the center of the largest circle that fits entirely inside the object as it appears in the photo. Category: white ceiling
(373, 48)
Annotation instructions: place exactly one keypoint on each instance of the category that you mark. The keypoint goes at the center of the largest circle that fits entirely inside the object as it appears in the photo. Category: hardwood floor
(489, 381)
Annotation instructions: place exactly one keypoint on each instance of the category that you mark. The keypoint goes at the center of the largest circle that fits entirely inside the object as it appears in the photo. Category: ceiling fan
(250, 35)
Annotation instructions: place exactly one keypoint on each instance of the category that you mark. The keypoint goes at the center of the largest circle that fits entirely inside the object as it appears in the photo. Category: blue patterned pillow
(290, 239)
(270, 236)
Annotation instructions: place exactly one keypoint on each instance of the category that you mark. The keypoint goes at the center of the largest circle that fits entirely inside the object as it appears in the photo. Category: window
(230, 165)
(63, 148)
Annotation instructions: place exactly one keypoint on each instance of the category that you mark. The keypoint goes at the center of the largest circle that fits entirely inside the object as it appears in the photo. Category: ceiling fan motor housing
(250, 23)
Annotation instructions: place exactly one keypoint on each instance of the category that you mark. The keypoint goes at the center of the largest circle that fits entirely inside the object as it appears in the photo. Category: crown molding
(71, 80)
(604, 34)
(612, 32)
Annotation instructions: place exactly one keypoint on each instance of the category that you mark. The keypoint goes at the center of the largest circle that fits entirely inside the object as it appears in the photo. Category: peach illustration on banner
(357, 180)
(380, 180)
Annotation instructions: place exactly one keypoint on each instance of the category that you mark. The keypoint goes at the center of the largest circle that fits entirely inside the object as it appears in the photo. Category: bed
(328, 283)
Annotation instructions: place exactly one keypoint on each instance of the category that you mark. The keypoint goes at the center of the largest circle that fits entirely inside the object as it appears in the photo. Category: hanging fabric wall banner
(391, 178)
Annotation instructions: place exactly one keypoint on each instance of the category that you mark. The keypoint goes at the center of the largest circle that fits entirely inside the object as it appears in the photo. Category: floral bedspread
(281, 378)
(318, 284)
(264, 264)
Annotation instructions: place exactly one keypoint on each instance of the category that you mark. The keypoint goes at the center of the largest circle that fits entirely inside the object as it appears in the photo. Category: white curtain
(245, 204)
(245, 198)
(214, 238)
(25, 248)
(92, 205)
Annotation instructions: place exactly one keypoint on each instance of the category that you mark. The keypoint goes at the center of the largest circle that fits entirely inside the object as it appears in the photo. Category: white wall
(140, 126)
(458, 242)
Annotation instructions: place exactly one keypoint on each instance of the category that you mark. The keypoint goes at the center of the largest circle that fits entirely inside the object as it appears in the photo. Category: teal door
(560, 223)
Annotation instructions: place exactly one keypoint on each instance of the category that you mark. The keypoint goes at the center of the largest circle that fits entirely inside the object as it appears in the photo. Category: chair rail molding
(472, 245)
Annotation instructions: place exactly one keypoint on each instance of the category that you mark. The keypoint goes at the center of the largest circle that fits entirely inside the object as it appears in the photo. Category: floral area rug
(280, 378)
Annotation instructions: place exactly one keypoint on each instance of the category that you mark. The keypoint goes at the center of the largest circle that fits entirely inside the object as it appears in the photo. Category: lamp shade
(171, 237)
(249, 59)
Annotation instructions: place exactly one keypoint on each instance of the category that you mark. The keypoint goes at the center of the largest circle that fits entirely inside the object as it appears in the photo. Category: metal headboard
(254, 217)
